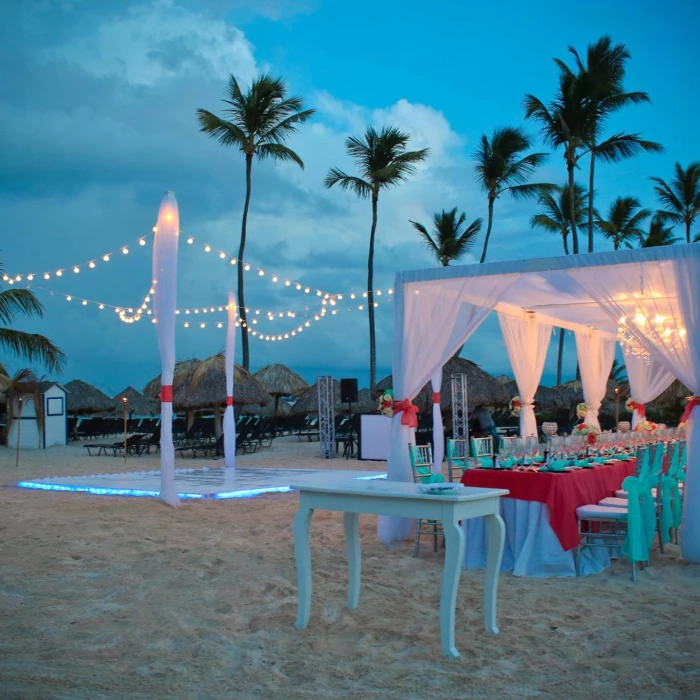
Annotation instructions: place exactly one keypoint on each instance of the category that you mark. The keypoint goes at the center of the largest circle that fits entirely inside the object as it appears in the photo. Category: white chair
(422, 468)
(457, 458)
(482, 449)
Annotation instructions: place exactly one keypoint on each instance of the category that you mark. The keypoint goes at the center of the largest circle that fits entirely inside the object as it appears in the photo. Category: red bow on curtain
(693, 401)
(639, 407)
(410, 412)
(166, 393)
(229, 400)
(436, 397)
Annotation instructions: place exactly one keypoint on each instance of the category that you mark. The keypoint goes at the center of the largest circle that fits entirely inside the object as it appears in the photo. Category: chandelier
(657, 330)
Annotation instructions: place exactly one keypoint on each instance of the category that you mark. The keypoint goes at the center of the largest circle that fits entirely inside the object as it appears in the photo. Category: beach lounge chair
(133, 446)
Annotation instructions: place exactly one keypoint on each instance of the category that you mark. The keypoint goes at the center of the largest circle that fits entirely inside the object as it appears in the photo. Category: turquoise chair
(457, 459)
(482, 451)
(422, 468)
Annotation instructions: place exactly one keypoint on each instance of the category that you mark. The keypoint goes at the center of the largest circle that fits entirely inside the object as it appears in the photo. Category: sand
(126, 598)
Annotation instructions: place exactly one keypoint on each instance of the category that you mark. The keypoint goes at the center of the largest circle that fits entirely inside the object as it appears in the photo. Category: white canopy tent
(653, 294)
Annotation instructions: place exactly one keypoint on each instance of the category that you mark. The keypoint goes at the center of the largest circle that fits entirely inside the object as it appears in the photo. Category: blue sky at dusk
(97, 116)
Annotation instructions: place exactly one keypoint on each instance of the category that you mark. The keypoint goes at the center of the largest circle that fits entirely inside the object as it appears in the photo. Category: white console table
(403, 500)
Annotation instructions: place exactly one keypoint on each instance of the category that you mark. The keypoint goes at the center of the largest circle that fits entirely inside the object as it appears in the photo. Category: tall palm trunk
(241, 252)
(370, 297)
(560, 355)
(687, 231)
(590, 200)
(19, 429)
(566, 243)
(572, 205)
(488, 229)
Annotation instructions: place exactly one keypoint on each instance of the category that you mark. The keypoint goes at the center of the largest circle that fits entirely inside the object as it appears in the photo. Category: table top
(398, 489)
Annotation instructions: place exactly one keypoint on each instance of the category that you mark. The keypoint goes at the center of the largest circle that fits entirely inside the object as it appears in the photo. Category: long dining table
(540, 517)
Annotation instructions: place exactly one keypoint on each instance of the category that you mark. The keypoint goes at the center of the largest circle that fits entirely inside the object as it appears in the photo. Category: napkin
(581, 463)
(507, 462)
(600, 460)
(558, 465)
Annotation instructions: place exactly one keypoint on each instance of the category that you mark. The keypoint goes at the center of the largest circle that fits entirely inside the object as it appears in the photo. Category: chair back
(421, 462)
(482, 450)
(457, 459)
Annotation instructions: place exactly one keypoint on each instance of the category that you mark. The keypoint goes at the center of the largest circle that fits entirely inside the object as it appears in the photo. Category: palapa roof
(546, 398)
(138, 403)
(283, 409)
(482, 388)
(202, 384)
(85, 398)
(571, 393)
(279, 380)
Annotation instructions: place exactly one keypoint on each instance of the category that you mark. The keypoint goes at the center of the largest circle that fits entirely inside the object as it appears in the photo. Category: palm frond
(225, 132)
(280, 131)
(531, 190)
(18, 301)
(425, 237)
(348, 182)
(33, 347)
(621, 146)
(278, 151)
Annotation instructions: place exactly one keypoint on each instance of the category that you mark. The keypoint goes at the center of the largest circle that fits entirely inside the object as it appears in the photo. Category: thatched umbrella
(202, 384)
(482, 388)
(138, 403)
(279, 380)
(546, 398)
(85, 398)
(269, 411)
(673, 398)
(307, 401)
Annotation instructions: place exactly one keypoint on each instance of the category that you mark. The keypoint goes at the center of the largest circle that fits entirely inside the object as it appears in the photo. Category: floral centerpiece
(590, 432)
(515, 406)
(645, 426)
(385, 403)
(581, 410)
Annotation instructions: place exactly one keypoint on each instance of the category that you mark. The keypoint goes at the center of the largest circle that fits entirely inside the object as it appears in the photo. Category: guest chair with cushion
(422, 467)
(482, 449)
(457, 459)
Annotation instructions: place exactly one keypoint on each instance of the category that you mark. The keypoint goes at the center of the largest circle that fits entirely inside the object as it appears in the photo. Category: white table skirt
(531, 547)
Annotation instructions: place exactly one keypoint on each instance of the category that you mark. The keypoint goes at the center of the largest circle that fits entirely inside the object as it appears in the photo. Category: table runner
(563, 492)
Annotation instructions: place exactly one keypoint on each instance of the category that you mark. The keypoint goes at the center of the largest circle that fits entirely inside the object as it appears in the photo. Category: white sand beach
(109, 597)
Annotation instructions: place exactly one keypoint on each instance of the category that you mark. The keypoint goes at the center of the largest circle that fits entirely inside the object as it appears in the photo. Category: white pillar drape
(438, 427)
(421, 348)
(164, 303)
(648, 379)
(658, 303)
(229, 417)
(595, 358)
(527, 341)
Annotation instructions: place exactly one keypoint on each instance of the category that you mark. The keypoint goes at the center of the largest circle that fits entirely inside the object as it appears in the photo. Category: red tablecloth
(563, 493)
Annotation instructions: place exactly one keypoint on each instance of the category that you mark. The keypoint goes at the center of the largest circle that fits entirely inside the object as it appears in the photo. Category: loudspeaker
(348, 390)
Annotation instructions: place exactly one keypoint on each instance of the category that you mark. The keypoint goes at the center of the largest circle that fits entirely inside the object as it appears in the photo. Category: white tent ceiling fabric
(438, 309)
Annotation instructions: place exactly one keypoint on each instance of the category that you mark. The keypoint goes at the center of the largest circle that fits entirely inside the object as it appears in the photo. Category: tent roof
(544, 285)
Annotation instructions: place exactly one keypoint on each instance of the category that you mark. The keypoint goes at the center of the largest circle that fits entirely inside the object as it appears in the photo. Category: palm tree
(658, 234)
(21, 376)
(563, 124)
(501, 166)
(600, 88)
(382, 161)
(29, 346)
(623, 224)
(554, 216)
(618, 372)
(257, 122)
(681, 198)
(449, 242)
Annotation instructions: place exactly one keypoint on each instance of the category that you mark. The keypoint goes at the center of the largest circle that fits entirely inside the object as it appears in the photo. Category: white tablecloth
(531, 547)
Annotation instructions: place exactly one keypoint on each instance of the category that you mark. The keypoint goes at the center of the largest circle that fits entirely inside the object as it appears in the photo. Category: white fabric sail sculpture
(526, 342)
(229, 418)
(421, 348)
(164, 303)
(648, 379)
(595, 359)
(438, 427)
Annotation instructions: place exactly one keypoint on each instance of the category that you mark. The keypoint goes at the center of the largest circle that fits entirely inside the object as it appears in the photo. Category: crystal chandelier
(657, 330)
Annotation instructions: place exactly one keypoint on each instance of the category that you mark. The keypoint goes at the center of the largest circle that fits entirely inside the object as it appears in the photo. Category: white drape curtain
(431, 321)
(438, 427)
(648, 379)
(660, 304)
(164, 303)
(595, 358)
(229, 416)
(527, 341)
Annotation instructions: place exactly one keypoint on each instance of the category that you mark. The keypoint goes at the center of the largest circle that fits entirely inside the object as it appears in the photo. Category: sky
(97, 120)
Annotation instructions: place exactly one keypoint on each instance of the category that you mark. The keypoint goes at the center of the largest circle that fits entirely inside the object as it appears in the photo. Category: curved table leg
(496, 537)
(454, 551)
(302, 551)
(352, 547)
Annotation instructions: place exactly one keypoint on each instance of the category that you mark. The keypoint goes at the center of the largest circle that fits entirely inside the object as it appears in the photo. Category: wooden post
(126, 412)
(19, 427)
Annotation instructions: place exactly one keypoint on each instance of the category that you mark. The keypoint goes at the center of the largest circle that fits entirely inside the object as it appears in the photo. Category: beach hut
(307, 401)
(83, 398)
(279, 381)
(38, 411)
(139, 404)
(201, 384)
